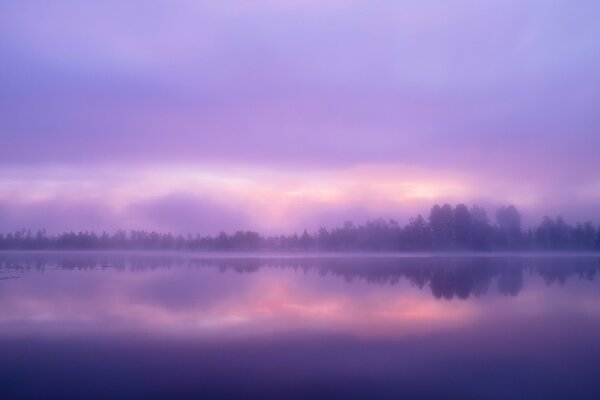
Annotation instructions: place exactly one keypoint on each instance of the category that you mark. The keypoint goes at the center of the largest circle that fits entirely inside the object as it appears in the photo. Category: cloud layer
(501, 94)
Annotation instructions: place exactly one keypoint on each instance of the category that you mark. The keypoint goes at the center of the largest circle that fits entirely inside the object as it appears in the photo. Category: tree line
(447, 228)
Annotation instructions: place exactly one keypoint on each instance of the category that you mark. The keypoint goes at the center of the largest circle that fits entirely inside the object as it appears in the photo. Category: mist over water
(150, 325)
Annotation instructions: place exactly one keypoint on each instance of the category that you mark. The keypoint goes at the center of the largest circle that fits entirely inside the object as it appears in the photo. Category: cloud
(185, 213)
(177, 213)
(501, 93)
(56, 215)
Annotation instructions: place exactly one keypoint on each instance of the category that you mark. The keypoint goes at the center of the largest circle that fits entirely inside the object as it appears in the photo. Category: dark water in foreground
(122, 326)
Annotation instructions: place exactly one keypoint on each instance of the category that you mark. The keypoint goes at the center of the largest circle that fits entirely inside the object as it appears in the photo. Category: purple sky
(276, 115)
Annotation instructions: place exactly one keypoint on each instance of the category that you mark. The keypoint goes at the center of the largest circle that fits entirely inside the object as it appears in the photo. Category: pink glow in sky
(279, 115)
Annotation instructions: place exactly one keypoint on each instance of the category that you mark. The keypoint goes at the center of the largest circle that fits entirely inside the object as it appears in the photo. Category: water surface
(135, 325)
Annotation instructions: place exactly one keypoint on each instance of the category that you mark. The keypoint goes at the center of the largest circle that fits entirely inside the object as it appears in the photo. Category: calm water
(164, 326)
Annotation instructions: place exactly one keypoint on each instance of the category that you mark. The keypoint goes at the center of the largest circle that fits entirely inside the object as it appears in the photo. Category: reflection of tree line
(447, 277)
(446, 228)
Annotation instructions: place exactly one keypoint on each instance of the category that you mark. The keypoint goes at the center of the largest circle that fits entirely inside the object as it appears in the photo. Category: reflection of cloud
(267, 303)
(234, 296)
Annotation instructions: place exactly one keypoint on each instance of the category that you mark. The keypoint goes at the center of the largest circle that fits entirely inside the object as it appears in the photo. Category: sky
(201, 116)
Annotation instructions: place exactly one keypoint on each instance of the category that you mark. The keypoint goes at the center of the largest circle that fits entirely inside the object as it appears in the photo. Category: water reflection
(183, 325)
(446, 277)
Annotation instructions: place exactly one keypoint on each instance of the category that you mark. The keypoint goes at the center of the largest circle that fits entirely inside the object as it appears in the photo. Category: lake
(184, 325)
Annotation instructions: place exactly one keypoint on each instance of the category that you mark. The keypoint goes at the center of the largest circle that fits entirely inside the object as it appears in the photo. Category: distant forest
(446, 228)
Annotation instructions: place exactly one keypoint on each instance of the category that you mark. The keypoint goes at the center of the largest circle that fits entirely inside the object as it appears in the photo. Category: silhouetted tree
(306, 240)
(441, 221)
(417, 234)
(509, 226)
(481, 230)
(462, 226)
(584, 236)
